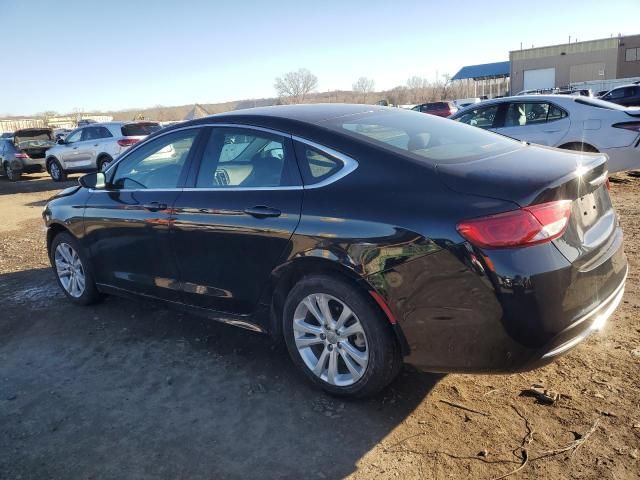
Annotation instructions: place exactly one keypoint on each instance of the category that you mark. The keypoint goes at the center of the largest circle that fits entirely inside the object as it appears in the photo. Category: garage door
(540, 78)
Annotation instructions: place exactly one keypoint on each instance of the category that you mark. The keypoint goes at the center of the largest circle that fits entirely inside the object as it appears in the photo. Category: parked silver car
(94, 146)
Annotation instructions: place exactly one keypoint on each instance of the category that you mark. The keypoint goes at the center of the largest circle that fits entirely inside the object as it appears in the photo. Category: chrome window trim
(348, 163)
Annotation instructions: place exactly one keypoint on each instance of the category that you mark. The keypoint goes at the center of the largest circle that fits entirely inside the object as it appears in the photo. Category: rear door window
(139, 129)
(480, 117)
(243, 158)
(522, 114)
(103, 132)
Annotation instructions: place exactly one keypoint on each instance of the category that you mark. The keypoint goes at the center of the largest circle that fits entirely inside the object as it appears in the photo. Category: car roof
(118, 123)
(308, 113)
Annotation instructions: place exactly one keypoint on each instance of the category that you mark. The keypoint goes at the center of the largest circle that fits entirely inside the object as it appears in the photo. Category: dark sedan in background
(361, 235)
(24, 152)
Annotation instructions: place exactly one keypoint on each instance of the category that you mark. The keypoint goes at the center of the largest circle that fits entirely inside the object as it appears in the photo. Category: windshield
(139, 129)
(426, 138)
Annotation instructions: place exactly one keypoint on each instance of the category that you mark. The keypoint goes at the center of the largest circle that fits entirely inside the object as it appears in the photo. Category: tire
(66, 255)
(102, 161)
(12, 174)
(56, 171)
(311, 345)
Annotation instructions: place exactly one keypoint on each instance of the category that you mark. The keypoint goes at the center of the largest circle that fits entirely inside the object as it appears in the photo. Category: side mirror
(60, 141)
(94, 180)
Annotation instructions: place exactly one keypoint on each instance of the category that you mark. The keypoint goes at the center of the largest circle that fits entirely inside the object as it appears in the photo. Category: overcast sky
(110, 55)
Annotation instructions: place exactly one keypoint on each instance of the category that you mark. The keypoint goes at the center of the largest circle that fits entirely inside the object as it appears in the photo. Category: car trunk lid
(534, 175)
(34, 142)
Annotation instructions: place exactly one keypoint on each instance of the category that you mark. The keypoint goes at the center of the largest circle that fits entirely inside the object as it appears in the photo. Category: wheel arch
(587, 147)
(103, 155)
(54, 230)
(48, 161)
(286, 276)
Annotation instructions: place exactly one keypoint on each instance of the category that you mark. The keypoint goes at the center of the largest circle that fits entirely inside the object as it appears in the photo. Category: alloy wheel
(330, 339)
(70, 270)
(55, 170)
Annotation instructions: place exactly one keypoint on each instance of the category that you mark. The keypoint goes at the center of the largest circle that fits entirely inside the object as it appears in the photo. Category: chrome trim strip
(242, 189)
(349, 164)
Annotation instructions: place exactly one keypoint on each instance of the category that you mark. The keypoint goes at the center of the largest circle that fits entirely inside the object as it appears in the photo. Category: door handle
(154, 206)
(261, 211)
(95, 144)
(552, 131)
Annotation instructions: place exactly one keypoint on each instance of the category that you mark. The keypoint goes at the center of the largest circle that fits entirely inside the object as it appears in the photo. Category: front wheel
(56, 171)
(338, 337)
(71, 268)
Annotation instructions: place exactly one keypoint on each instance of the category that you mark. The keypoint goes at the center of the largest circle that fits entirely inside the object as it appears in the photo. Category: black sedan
(362, 235)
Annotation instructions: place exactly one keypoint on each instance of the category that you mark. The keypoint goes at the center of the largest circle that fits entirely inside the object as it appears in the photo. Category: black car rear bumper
(578, 331)
(457, 316)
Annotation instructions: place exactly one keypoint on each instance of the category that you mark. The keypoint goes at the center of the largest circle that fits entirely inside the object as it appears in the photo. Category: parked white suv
(94, 146)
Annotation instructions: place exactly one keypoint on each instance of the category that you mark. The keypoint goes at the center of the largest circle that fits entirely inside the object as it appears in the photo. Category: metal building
(593, 61)
(490, 79)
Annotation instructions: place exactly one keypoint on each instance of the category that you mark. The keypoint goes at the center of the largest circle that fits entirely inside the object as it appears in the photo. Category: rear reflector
(21, 155)
(634, 126)
(127, 142)
(519, 228)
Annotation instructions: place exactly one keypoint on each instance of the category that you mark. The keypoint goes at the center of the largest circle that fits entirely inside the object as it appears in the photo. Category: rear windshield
(425, 137)
(139, 129)
(594, 102)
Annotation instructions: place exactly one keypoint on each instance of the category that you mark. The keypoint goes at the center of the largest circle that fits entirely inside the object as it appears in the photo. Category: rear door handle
(155, 206)
(261, 211)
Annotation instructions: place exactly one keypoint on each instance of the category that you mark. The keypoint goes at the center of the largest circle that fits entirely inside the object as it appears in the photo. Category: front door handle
(261, 211)
(155, 206)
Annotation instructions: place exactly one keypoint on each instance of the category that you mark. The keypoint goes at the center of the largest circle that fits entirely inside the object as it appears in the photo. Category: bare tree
(418, 88)
(364, 86)
(295, 86)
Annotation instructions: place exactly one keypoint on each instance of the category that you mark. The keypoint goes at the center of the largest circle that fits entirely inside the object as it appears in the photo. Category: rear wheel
(339, 338)
(71, 268)
(56, 171)
(12, 175)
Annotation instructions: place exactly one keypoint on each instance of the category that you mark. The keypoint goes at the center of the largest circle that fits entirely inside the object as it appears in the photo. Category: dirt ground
(129, 390)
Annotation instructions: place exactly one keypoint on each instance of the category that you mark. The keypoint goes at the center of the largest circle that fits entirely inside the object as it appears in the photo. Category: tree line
(298, 87)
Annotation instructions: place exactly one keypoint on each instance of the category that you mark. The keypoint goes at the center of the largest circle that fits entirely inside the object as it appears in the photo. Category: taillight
(127, 142)
(21, 155)
(634, 126)
(519, 228)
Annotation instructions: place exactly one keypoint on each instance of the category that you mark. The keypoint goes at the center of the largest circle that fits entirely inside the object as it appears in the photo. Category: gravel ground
(129, 390)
